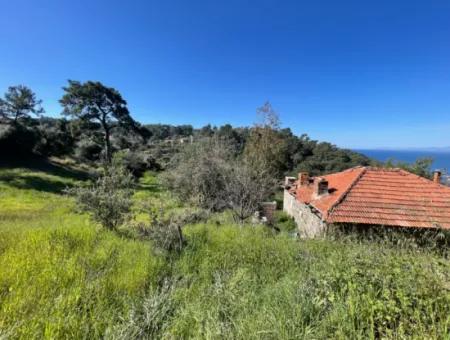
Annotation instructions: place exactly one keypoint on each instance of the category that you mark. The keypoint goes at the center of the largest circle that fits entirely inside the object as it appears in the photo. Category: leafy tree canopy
(94, 102)
(19, 102)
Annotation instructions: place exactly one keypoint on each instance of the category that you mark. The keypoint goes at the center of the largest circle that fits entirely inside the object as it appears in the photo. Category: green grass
(61, 276)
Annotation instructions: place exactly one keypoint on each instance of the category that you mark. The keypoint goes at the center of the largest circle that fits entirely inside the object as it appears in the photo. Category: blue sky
(356, 73)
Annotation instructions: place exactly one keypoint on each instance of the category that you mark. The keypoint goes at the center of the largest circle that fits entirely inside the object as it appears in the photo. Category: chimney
(437, 176)
(289, 181)
(320, 186)
(303, 178)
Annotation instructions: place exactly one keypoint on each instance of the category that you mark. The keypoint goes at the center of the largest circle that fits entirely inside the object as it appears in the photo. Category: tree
(19, 102)
(246, 188)
(109, 200)
(199, 173)
(93, 102)
(209, 174)
(266, 148)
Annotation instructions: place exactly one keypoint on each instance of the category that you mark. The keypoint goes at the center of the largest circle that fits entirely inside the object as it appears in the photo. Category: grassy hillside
(63, 277)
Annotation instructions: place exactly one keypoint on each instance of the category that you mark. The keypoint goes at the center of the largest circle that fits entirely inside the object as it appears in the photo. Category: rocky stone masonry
(309, 224)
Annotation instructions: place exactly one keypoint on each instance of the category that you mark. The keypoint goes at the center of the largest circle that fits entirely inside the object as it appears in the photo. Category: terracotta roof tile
(380, 196)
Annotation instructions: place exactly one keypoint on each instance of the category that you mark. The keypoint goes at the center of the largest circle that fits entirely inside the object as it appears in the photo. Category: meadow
(62, 276)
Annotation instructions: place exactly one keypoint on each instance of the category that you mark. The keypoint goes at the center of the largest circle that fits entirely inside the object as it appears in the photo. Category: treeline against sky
(80, 134)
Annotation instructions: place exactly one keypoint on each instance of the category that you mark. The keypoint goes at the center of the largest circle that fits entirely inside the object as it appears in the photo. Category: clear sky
(356, 73)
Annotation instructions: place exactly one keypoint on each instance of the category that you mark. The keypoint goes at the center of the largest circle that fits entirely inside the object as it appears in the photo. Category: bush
(17, 140)
(88, 150)
(139, 162)
(211, 176)
(284, 222)
(167, 232)
(246, 188)
(108, 201)
(199, 174)
(55, 138)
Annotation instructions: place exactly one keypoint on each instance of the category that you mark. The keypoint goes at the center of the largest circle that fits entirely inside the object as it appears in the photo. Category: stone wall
(309, 224)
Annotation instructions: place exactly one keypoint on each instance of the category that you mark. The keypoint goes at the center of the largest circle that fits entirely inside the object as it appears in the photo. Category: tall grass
(250, 284)
(61, 276)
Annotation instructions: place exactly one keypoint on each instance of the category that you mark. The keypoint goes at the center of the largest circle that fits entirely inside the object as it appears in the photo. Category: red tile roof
(391, 197)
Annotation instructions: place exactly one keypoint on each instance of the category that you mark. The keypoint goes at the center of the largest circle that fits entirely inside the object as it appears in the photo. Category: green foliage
(284, 222)
(421, 167)
(55, 137)
(109, 200)
(433, 240)
(94, 102)
(101, 124)
(156, 132)
(209, 175)
(138, 162)
(323, 158)
(87, 150)
(17, 140)
(19, 102)
(200, 172)
(166, 233)
(150, 318)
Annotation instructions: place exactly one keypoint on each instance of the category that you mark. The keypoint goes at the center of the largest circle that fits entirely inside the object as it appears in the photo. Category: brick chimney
(437, 176)
(320, 186)
(303, 178)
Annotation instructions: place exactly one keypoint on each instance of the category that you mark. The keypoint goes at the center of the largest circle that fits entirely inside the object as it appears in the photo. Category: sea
(441, 159)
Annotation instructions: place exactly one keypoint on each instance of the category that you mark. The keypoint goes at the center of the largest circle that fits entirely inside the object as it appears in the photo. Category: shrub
(284, 222)
(55, 137)
(108, 201)
(88, 150)
(199, 174)
(166, 232)
(210, 175)
(17, 140)
(139, 162)
(246, 188)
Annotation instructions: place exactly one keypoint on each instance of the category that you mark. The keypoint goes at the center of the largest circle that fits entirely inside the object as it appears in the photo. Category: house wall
(308, 223)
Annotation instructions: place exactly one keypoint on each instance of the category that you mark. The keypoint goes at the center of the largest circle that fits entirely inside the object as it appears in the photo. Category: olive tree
(199, 173)
(109, 199)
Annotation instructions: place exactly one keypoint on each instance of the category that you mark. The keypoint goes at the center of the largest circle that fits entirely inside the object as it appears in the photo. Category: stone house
(366, 196)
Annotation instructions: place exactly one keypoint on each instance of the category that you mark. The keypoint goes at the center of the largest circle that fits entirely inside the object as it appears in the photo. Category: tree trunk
(16, 118)
(107, 144)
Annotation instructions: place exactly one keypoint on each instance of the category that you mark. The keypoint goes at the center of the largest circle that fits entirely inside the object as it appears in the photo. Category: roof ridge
(342, 196)
(423, 179)
(380, 168)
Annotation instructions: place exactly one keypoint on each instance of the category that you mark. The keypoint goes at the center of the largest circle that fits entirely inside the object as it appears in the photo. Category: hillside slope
(63, 277)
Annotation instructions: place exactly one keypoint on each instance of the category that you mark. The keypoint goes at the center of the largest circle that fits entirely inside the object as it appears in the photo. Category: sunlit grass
(62, 275)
